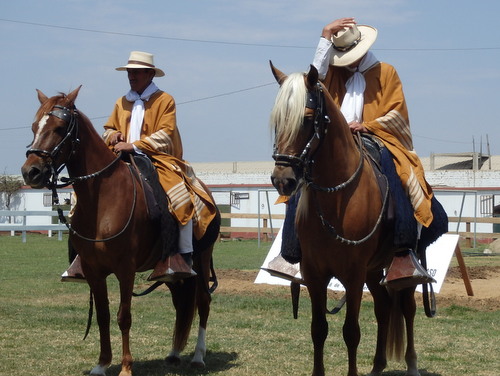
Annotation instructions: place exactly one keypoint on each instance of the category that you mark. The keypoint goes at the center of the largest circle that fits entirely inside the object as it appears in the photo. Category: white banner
(438, 253)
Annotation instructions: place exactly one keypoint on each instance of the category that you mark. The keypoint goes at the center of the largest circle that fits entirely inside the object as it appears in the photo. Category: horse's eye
(61, 131)
(308, 120)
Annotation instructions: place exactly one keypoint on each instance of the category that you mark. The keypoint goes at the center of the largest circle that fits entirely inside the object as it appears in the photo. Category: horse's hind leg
(203, 299)
(409, 308)
(183, 298)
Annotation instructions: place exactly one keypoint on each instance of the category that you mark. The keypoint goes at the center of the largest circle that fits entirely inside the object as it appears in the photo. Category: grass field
(43, 322)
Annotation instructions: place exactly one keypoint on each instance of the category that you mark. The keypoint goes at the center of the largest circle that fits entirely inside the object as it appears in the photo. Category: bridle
(70, 116)
(302, 164)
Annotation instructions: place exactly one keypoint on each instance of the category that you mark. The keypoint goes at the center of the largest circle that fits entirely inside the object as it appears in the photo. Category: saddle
(157, 203)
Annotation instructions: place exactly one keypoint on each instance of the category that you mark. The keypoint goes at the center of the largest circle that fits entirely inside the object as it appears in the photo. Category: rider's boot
(405, 271)
(178, 266)
(74, 273)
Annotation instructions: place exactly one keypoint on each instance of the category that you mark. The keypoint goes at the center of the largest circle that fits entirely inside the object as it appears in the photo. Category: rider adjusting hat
(351, 44)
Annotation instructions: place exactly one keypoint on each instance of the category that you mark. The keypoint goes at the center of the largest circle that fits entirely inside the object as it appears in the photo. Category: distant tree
(9, 186)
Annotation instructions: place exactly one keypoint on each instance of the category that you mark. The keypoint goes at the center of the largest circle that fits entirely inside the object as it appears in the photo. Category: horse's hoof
(173, 360)
(197, 364)
(98, 371)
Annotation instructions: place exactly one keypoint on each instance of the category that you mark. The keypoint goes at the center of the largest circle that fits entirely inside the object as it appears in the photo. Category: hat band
(349, 47)
(140, 63)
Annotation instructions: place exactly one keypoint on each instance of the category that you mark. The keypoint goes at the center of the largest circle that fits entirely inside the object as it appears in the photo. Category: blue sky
(215, 54)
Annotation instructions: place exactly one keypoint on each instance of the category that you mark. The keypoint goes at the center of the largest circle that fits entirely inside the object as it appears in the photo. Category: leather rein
(303, 163)
(70, 117)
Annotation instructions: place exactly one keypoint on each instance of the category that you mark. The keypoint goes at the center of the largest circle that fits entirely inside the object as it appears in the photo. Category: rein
(63, 219)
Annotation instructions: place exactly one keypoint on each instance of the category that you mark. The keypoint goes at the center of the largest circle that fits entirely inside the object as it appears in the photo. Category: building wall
(461, 192)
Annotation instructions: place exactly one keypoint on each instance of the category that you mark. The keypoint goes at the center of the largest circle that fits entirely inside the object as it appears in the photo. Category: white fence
(24, 227)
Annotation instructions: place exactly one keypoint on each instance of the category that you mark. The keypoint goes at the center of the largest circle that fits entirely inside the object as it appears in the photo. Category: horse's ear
(312, 76)
(71, 97)
(278, 75)
(41, 97)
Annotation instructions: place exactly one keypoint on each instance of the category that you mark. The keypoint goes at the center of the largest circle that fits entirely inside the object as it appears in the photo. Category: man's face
(140, 78)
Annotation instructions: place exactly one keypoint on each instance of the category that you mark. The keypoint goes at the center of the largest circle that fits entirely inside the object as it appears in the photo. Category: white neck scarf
(352, 104)
(137, 116)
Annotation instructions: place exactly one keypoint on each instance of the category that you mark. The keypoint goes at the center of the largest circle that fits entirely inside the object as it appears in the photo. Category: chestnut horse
(111, 228)
(340, 220)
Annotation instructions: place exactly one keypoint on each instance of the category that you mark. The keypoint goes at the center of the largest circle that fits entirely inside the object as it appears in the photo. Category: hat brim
(368, 37)
(158, 71)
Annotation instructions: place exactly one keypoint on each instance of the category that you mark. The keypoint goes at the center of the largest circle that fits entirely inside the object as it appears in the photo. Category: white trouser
(186, 237)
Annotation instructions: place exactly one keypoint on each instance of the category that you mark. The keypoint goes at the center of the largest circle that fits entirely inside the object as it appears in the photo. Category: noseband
(316, 101)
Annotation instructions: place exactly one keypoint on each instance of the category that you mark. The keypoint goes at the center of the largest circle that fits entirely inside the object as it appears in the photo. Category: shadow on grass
(423, 372)
(215, 362)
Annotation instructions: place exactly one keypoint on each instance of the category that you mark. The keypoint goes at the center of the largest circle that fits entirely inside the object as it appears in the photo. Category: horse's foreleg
(319, 325)
(382, 305)
(124, 318)
(100, 294)
(409, 309)
(351, 330)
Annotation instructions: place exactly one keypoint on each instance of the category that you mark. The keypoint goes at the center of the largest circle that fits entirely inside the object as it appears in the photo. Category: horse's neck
(339, 152)
(91, 154)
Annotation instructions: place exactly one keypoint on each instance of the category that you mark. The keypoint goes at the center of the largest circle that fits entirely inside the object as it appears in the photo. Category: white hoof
(98, 371)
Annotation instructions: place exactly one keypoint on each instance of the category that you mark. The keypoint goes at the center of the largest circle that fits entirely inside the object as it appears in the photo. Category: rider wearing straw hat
(370, 96)
(144, 122)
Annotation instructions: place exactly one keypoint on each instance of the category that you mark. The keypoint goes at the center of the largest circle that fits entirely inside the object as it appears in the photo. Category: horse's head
(55, 131)
(298, 120)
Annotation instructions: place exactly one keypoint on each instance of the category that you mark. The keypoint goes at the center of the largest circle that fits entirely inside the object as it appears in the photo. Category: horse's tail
(396, 337)
(183, 297)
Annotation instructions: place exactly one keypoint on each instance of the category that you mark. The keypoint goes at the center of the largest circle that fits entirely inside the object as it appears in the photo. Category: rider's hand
(357, 127)
(337, 25)
(116, 138)
(124, 146)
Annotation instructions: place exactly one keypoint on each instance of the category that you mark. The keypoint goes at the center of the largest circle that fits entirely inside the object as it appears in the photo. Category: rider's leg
(186, 242)
(179, 265)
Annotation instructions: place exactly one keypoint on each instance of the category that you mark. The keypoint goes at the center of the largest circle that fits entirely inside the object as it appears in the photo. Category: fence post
(24, 230)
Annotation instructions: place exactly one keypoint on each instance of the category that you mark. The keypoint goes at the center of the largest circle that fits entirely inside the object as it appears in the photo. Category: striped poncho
(161, 141)
(386, 116)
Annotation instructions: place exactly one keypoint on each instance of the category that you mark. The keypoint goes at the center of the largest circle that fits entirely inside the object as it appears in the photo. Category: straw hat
(351, 44)
(140, 59)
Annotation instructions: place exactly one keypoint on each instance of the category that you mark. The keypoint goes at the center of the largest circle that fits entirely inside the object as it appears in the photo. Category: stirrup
(279, 267)
(173, 269)
(406, 271)
(74, 273)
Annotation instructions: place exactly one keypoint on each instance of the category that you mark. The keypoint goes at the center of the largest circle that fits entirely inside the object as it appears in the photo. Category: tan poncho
(161, 141)
(386, 116)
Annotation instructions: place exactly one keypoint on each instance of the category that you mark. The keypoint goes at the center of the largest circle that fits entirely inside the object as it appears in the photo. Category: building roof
(458, 161)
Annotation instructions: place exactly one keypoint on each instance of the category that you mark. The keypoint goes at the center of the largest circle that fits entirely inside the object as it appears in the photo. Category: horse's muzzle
(35, 173)
(284, 180)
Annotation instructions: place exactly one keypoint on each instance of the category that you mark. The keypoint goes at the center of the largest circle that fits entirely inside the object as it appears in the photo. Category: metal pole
(270, 218)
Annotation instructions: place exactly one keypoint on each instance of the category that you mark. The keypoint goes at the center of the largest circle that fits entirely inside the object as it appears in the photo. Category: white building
(467, 185)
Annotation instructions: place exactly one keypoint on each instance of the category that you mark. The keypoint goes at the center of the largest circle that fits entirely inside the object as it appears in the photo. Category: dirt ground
(485, 281)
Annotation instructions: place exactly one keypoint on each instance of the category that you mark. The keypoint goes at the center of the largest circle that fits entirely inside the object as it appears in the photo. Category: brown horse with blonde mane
(112, 229)
(340, 220)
